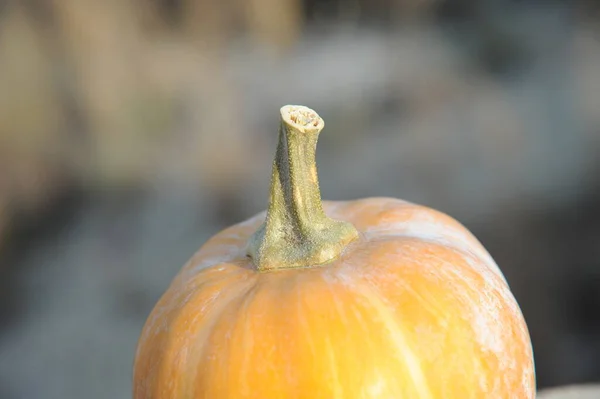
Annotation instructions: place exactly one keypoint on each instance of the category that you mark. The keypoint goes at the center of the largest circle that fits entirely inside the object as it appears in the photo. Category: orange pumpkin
(374, 298)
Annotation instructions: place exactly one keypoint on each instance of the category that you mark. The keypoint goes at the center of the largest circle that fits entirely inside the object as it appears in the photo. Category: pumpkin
(372, 298)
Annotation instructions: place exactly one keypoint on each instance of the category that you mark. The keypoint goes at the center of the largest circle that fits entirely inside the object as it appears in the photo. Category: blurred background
(133, 130)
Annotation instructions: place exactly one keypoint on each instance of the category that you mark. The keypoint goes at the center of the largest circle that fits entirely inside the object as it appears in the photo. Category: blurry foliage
(487, 109)
(97, 93)
(124, 93)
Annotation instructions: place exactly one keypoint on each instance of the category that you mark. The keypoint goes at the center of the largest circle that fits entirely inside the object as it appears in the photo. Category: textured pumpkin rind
(416, 308)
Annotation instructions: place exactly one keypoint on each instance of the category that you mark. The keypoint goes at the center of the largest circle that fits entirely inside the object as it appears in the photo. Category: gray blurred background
(133, 130)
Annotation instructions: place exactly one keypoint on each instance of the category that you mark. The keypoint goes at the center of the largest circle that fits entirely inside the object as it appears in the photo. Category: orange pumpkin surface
(412, 306)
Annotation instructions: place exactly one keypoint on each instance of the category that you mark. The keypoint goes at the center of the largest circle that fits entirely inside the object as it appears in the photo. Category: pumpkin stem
(297, 233)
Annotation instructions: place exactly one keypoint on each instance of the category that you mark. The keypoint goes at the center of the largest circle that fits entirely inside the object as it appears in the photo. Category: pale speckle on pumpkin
(425, 226)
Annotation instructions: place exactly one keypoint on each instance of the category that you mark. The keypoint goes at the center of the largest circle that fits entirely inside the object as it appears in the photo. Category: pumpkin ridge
(175, 317)
(455, 235)
(498, 293)
(250, 295)
(202, 340)
(396, 335)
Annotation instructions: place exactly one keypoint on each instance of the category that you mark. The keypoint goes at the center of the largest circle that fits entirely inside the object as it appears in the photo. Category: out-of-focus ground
(133, 130)
(583, 391)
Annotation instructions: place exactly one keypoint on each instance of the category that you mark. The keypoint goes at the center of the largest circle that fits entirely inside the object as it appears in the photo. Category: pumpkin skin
(414, 308)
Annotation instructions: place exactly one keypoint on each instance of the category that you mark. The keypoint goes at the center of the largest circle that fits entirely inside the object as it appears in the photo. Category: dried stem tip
(301, 116)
